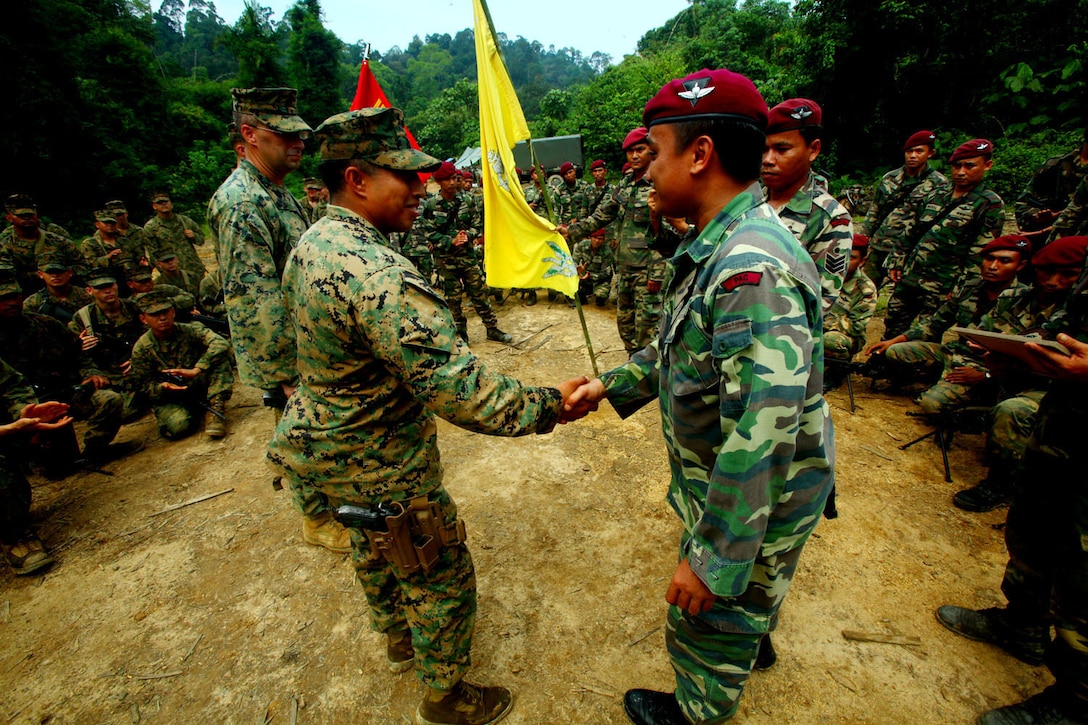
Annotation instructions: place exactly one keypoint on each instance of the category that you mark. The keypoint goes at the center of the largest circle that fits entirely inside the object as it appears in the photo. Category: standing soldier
(380, 358)
(819, 222)
(641, 268)
(596, 262)
(254, 223)
(25, 242)
(952, 226)
(600, 190)
(451, 224)
(132, 237)
(169, 231)
(313, 204)
(571, 198)
(1050, 190)
(899, 193)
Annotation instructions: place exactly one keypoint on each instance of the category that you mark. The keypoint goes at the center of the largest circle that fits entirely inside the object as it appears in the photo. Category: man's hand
(98, 381)
(965, 375)
(288, 389)
(895, 275)
(564, 230)
(1063, 367)
(881, 347)
(187, 373)
(687, 591)
(87, 338)
(126, 367)
(38, 417)
(113, 253)
(582, 400)
(189, 233)
(460, 238)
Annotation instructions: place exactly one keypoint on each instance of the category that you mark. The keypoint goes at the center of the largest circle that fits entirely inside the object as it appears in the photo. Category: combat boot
(1046, 708)
(766, 657)
(649, 707)
(531, 299)
(497, 335)
(324, 530)
(216, 426)
(26, 554)
(465, 704)
(399, 651)
(1025, 643)
(993, 491)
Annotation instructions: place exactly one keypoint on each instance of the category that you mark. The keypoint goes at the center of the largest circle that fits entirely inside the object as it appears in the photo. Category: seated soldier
(21, 416)
(845, 322)
(1020, 312)
(596, 263)
(59, 299)
(168, 271)
(142, 281)
(185, 369)
(50, 357)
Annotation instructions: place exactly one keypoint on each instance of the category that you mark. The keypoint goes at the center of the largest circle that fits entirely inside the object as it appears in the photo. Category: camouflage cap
(167, 256)
(20, 204)
(272, 106)
(313, 184)
(52, 263)
(116, 206)
(140, 274)
(99, 278)
(158, 196)
(105, 216)
(10, 287)
(153, 302)
(375, 135)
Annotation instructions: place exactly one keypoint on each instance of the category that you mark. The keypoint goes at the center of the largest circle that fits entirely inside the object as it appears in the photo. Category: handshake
(581, 396)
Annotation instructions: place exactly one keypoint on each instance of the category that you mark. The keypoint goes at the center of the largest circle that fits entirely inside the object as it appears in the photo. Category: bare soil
(217, 612)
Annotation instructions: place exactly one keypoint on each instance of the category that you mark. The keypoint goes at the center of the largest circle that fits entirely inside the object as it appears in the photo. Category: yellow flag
(521, 249)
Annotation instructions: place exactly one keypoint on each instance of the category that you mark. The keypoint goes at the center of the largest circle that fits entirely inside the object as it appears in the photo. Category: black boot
(766, 657)
(648, 707)
(1025, 643)
(993, 491)
(1049, 707)
(531, 299)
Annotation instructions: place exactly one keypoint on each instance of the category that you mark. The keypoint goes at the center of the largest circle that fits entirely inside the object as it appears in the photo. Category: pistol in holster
(409, 535)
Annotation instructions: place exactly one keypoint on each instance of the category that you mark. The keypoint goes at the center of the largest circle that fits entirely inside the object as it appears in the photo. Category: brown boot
(465, 704)
(324, 530)
(26, 554)
(399, 650)
(216, 426)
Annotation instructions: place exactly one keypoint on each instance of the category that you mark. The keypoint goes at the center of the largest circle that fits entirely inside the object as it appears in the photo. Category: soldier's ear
(356, 180)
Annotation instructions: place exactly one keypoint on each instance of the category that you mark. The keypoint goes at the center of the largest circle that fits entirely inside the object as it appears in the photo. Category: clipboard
(1010, 345)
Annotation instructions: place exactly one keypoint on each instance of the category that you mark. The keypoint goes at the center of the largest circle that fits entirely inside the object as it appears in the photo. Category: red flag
(368, 94)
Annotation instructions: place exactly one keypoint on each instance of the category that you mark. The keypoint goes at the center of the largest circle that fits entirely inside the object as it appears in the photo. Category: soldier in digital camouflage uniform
(169, 231)
(380, 358)
(313, 204)
(188, 352)
(254, 222)
(104, 251)
(59, 298)
(899, 193)
(641, 269)
(24, 242)
(748, 432)
(846, 321)
(596, 262)
(952, 225)
(168, 271)
(821, 224)
(451, 224)
(1046, 534)
(143, 281)
(131, 237)
(1050, 190)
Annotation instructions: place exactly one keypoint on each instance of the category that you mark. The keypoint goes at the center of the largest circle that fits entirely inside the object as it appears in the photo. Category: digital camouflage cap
(153, 302)
(275, 107)
(116, 206)
(375, 135)
(20, 204)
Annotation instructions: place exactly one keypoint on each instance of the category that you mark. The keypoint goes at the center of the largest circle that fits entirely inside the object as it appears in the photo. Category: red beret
(707, 95)
(860, 243)
(794, 114)
(598, 164)
(466, 174)
(921, 138)
(1064, 252)
(565, 167)
(974, 147)
(599, 233)
(1014, 242)
(446, 171)
(626, 168)
(638, 135)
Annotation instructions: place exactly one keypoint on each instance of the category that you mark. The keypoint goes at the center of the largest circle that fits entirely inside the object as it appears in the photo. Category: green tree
(450, 122)
(313, 63)
(254, 41)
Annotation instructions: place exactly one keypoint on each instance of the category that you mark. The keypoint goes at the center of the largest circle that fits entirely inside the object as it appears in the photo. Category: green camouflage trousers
(874, 266)
(466, 276)
(906, 303)
(102, 411)
(423, 261)
(439, 607)
(838, 346)
(14, 494)
(178, 417)
(597, 287)
(637, 309)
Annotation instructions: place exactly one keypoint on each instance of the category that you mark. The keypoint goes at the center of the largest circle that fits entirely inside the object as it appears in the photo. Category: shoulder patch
(740, 279)
(840, 221)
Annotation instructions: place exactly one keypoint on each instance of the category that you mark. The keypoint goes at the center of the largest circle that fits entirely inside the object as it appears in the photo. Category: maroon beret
(466, 174)
(1013, 242)
(921, 138)
(1064, 252)
(446, 171)
(707, 95)
(637, 135)
(598, 164)
(974, 147)
(565, 167)
(794, 114)
(860, 243)
(626, 168)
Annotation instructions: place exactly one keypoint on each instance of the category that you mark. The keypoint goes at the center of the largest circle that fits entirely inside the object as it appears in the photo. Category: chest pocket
(702, 367)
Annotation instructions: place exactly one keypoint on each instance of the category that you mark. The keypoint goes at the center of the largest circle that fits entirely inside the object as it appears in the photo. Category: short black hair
(332, 172)
(739, 144)
(811, 133)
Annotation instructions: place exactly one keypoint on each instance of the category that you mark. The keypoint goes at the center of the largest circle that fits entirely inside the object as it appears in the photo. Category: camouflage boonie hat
(52, 263)
(273, 106)
(375, 135)
(20, 204)
(153, 302)
(105, 215)
(116, 206)
(100, 279)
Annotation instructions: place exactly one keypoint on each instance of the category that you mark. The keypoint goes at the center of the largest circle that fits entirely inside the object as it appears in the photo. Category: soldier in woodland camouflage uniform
(951, 226)
(59, 299)
(1050, 190)
(104, 251)
(379, 358)
(131, 236)
(313, 204)
(747, 429)
(168, 271)
(25, 242)
(571, 199)
(845, 322)
(169, 231)
(414, 246)
(891, 213)
(451, 224)
(254, 222)
(597, 192)
(641, 269)
(1046, 535)
(1073, 221)
(819, 222)
(595, 260)
(142, 281)
(189, 352)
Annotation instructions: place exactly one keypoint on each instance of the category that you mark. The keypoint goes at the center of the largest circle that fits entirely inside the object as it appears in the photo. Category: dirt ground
(216, 612)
